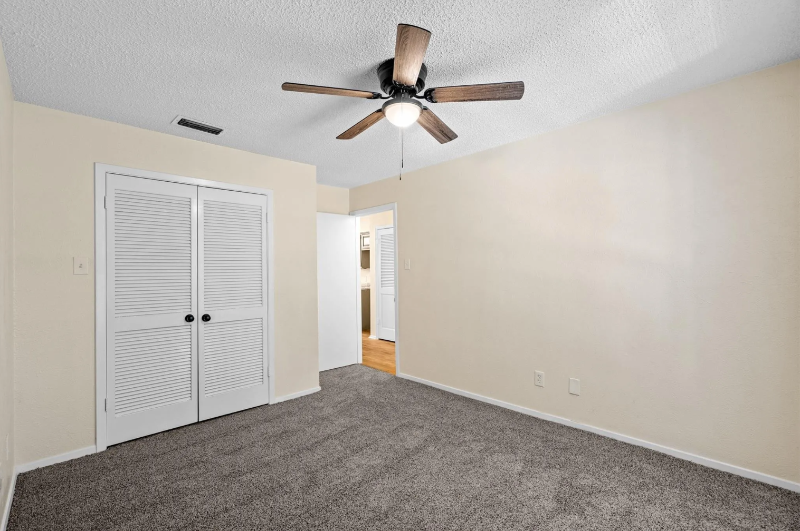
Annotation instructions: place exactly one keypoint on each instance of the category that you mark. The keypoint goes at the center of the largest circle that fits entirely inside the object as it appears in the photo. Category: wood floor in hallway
(377, 354)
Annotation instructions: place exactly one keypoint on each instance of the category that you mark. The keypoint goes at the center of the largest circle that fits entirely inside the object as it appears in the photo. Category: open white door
(233, 301)
(151, 318)
(337, 285)
(384, 278)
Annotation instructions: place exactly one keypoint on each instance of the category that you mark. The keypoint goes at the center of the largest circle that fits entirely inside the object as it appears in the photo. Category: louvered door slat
(242, 262)
(387, 260)
(233, 244)
(173, 218)
(152, 286)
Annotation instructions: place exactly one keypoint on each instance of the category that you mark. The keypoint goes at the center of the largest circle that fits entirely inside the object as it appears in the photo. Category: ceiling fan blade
(489, 92)
(333, 91)
(437, 128)
(362, 126)
(409, 52)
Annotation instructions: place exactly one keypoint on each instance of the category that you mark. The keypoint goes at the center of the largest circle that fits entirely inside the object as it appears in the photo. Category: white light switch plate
(574, 386)
(538, 378)
(80, 265)
(408, 263)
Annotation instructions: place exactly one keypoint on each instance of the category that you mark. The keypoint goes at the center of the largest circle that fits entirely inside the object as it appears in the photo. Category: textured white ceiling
(142, 62)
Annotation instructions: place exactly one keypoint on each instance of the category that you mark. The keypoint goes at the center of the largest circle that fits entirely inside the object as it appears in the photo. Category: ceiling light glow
(402, 111)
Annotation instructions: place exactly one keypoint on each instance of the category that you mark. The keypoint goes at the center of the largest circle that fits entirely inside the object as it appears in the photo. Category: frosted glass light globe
(402, 112)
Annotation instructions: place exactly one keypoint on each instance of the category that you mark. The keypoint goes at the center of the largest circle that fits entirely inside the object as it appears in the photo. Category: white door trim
(360, 293)
(100, 171)
(366, 212)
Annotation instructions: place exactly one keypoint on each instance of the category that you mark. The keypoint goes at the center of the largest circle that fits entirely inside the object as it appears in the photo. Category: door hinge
(105, 201)
(105, 404)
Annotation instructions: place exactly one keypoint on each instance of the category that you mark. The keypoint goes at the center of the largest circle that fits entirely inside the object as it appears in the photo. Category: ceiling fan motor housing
(385, 73)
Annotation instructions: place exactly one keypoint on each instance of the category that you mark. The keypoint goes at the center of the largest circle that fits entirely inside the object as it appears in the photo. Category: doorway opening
(377, 274)
(357, 289)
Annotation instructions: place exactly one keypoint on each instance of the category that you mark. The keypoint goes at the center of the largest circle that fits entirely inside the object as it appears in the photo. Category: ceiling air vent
(197, 126)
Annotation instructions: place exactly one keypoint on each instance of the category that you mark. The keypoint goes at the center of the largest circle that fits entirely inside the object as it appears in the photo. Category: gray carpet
(372, 451)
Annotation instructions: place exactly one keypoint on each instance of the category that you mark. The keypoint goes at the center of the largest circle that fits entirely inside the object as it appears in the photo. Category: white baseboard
(9, 499)
(27, 467)
(298, 394)
(47, 461)
(711, 463)
(373, 337)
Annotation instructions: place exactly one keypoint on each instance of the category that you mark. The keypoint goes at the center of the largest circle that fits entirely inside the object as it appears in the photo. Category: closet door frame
(100, 276)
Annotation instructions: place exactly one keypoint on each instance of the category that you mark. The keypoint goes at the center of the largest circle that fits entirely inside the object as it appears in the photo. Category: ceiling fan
(402, 78)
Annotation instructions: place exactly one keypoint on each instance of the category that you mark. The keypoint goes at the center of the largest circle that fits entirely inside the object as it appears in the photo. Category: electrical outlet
(574, 386)
(538, 379)
(408, 263)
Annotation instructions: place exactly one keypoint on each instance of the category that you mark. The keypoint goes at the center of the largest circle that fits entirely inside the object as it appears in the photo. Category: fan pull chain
(402, 153)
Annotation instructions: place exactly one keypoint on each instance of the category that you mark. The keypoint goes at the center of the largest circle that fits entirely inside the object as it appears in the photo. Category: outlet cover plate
(538, 379)
(574, 386)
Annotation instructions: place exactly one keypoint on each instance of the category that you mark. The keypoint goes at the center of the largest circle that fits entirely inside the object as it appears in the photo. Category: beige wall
(333, 200)
(6, 284)
(654, 254)
(368, 223)
(54, 161)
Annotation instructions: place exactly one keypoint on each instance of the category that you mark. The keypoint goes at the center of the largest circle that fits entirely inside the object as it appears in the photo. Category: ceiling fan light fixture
(402, 111)
(402, 78)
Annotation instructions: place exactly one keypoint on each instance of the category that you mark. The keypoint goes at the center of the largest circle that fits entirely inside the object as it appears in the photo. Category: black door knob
(206, 318)
(189, 318)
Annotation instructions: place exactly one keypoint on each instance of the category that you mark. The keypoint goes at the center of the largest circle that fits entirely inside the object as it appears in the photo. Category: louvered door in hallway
(186, 293)
(384, 265)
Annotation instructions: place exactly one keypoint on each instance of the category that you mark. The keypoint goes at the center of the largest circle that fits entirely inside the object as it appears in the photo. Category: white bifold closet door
(233, 301)
(187, 304)
(151, 292)
(384, 278)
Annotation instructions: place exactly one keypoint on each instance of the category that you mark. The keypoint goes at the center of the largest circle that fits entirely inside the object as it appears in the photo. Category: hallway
(377, 354)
